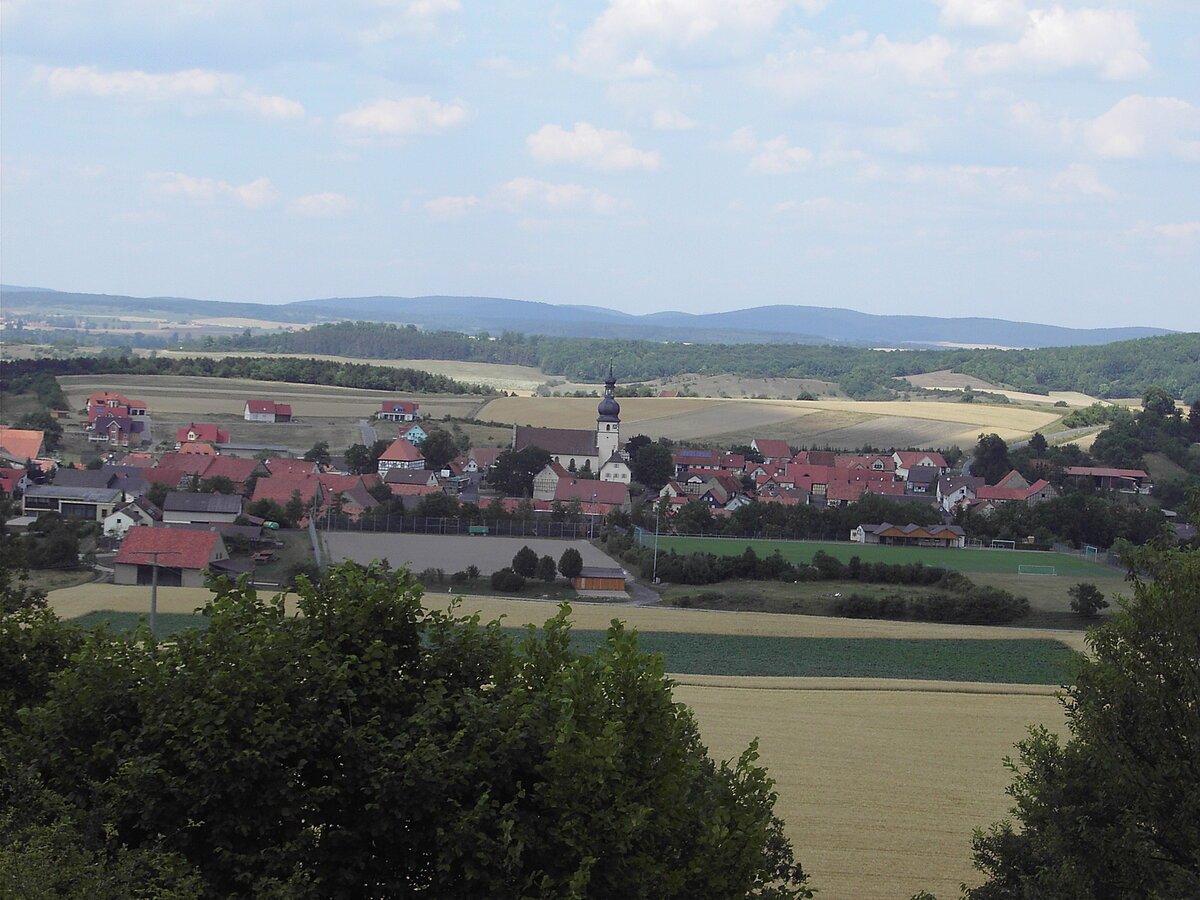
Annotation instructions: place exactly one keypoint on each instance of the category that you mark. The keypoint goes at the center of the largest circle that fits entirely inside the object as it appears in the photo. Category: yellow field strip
(831, 683)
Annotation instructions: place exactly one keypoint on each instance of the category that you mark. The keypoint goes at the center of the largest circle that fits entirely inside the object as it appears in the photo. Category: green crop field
(964, 560)
(999, 661)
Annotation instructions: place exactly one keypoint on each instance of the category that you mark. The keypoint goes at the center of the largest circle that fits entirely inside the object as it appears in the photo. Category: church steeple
(609, 409)
(608, 420)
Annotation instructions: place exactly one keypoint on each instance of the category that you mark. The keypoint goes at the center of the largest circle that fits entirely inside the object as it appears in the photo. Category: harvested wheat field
(946, 380)
(880, 790)
(837, 423)
(194, 396)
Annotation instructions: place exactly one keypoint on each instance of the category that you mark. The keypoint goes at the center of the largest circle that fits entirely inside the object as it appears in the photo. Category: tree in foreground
(1114, 811)
(370, 747)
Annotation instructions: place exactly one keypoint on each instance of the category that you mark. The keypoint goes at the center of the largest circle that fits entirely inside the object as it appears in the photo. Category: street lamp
(154, 586)
(592, 517)
(657, 513)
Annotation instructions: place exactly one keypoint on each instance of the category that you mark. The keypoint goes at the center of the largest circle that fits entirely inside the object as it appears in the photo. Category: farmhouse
(416, 434)
(20, 444)
(181, 557)
(138, 511)
(118, 430)
(1129, 480)
(400, 410)
(599, 578)
(401, 454)
(267, 411)
(1013, 488)
(910, 535)
(546, 481)
(771, 450)
(905, 460)
(188, 507)
(957, 490)
(577, 449)
(93, 504)
(206, 432)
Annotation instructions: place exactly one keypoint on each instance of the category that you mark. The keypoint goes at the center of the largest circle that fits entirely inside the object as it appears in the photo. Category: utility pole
(657, 513)
(154, 586)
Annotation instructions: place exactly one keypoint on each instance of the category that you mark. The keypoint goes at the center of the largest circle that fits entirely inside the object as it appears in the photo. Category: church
(578, 449)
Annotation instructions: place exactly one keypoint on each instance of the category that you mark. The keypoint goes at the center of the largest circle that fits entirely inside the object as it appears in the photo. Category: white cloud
(1179, 230)
(1138, 126)
(1105, 40)
(506, 66)
(147, 87)
(202, 191)
(405, 117)
(451, 207)
(672, 120)
(627, 36)
(323, 205)
(772, 157)
(521, 194)
(983, 14)
(589, 146)
(1081, 178)
(854, 60)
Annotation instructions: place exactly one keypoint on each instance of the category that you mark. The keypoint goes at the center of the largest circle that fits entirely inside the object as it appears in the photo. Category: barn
(599, 578)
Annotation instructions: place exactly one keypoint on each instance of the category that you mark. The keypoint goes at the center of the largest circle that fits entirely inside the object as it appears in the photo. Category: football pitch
(964, 560)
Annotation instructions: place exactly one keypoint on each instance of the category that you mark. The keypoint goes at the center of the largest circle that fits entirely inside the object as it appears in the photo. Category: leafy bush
(507, 580)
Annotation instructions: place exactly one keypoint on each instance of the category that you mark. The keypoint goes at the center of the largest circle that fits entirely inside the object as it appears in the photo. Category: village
(175, 511)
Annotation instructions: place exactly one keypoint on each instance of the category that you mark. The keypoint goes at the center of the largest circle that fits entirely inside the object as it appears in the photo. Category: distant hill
(762, 324)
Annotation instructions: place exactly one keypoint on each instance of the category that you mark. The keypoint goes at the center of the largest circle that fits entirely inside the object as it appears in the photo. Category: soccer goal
(1037, 570)
(1004, 545)
(1090, 552)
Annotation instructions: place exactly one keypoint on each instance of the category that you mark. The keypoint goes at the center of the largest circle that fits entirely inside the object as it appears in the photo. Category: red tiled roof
(197, 448)
(402, 450)
(405, 407)
(413, 490)
(484, 456)
(162, 475)
(187, 549)
(269, 406)
(994, 492)
(204, 431)
(335, 482)
(865, 461)
(20, 443)
(910, 458)
(277, 465)
(773, 449)
(237, 469)
(187, 463)
(815, 458)
(613, 492)
(281, 487)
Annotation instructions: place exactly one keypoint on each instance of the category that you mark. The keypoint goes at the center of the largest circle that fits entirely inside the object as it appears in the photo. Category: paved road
(366, 433)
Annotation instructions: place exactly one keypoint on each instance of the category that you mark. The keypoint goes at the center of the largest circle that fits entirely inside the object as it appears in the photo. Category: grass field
(962, 560)
(838, 423)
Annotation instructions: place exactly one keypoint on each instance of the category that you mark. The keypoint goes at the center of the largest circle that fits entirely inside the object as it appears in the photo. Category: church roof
(556, 441)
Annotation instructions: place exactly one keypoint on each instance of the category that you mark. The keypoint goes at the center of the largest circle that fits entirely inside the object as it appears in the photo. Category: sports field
(961, 560)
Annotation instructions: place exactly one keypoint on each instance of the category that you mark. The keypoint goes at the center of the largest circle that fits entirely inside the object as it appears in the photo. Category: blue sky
(1015, 158)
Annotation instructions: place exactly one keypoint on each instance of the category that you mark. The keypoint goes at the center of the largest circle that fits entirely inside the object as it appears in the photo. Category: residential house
(879, 463)
(205, 432)
(137, 512)
(416, 434)
(181, 556)
(185, 506)
(922, 479)
(612, 494)
(18, 445)
(909, 459)
(401, 454)
(771, 450)
(267, 411)
(423, 477)
(615, 468)
(545, 482)
(97, 478)
(92, 504)
(1134, 481)
(957, 490)
(281, 465)
(707, 460)
(238, 469)
(815, 458)
(112, 403)
(400, 410)
(1013, 488)
(118, 430)
(196, 448)
(483, 458)
(14, 480)
(910, 535)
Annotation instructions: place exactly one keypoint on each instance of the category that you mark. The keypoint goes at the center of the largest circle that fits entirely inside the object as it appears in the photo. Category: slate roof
(217, 504)
(80, 494)
(91, 478)
(557, 441)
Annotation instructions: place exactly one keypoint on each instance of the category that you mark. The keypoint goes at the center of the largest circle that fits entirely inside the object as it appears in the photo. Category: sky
(1011, 158)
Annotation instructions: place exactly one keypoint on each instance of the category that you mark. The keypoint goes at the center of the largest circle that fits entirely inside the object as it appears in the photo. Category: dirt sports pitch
(451, 553)
(961, 560)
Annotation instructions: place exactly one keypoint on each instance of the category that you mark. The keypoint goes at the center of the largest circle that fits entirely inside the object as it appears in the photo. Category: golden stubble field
(193, 397)
(945, 379)
(838, 423)
(880, 781)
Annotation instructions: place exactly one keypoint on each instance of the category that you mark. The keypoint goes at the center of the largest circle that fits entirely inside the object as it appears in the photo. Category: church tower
(608, 420)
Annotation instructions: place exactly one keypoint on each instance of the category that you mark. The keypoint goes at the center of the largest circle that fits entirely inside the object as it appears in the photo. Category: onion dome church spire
(609, 409)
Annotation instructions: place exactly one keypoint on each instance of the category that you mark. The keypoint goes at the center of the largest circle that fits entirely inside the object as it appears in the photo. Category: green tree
(547, 571)
(438, 449)
(990, 460)
(294, 509)
(319, 453)
(157, 493)
(570, 564)
(1115, 810)
(513, 471)
(358, 459)
(653, 466)
(438, 506)
(1086, 599)
(634, 445)
(694, 517)
(218, 484)
(1158, 403)
(1038, 443)
(525, 562)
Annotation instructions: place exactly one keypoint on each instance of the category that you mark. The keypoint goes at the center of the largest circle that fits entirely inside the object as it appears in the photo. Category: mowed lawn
(964, 560)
